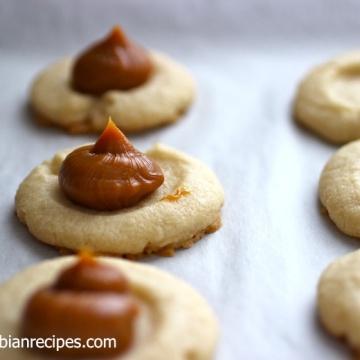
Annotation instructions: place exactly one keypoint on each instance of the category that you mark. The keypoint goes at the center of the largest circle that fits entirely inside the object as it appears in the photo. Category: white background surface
(259, 271)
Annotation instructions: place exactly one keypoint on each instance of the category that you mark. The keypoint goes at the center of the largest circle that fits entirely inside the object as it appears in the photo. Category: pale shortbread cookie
(174, 319)
(339, 299)
(328, 99)
(155, 225)
(339, 188)
(162, 99)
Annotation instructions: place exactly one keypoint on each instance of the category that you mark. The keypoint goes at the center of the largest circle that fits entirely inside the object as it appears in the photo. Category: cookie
(173, 318)
(328, 101)
(338, 299)
(339, 188)
(160, 98)
(183, 209)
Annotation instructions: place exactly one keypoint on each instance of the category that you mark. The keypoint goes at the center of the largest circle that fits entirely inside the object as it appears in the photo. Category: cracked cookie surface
(339, 188)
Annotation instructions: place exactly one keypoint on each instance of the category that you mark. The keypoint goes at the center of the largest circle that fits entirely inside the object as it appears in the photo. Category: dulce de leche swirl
(115, 63)
(109, 175)
(89, 300)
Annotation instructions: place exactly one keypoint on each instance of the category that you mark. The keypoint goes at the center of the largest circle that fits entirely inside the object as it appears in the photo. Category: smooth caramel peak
(115, 63)
(117, 36)
(112, 141)
(88, 274)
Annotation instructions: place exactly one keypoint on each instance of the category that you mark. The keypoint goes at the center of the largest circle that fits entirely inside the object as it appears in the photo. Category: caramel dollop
(109, 175)
(115, 63)
(89, 300)
(88, 274)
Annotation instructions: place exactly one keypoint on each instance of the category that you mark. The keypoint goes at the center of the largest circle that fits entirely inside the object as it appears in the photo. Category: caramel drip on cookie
(109, 175)
(115, 63)
(179, 192)
(89, 300)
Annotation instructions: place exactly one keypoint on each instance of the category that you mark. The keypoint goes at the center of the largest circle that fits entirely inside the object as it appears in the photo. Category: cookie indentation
(346, 86)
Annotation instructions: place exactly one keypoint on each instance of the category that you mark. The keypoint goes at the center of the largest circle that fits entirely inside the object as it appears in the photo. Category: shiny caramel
(89, 300)
(88, 274)
(115, 63)
(179, 192)
(109, 175)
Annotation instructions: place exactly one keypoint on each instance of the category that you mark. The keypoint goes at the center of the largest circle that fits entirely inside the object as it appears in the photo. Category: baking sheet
(259, 271)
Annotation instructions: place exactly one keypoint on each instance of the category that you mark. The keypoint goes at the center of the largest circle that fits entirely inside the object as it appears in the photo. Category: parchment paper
(260, 270)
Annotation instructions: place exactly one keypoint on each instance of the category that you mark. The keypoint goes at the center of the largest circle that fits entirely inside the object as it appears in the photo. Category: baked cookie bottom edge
(86, 127)
(164, 251)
